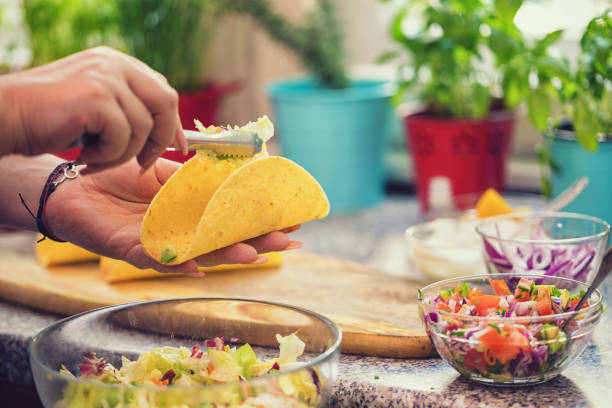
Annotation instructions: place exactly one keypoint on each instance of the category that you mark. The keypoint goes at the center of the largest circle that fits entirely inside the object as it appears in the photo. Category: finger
(113, 130)
(234, 254)
(162, 102)
(141, 260)
(164, 169)
(138, 116)
(273, 241)
(181, 141)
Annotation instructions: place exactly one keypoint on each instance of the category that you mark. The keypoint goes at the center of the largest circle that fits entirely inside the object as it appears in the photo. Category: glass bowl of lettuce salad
(506, 329)
(199, 352)
(552, 244)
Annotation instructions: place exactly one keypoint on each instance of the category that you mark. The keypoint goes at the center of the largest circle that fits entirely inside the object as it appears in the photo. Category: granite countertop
(375, 237)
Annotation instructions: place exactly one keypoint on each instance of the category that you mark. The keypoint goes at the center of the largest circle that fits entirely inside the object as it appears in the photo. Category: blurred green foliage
(317, 42)
(62, 27)
(172, 36)
(586, 93)
(466, 52)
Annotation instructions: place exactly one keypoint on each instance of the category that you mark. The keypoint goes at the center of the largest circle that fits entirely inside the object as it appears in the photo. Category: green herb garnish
(496, 327)
(465, 289)
(555, 292)
(419, 294)
(459, 333)
(168, 254)
(376, 377)
(531, 288)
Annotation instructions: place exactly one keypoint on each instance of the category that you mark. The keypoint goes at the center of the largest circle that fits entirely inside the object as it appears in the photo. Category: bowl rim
(56, 374)
(531, 319)
(409, 235)
(544, 214)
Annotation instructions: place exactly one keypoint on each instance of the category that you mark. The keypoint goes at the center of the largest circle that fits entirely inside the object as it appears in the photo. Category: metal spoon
(561, 201)
(602, 273)
(568, 195)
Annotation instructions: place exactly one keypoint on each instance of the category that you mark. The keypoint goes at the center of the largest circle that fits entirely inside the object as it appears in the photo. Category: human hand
(128, 106)
(103, 212)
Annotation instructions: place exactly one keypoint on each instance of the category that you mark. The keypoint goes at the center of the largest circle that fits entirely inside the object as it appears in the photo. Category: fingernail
(259, 260)
(291, 229)
(293, 245)
(198, 274)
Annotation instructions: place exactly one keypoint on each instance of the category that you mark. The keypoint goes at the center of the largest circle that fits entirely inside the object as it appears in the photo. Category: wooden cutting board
(377, 312)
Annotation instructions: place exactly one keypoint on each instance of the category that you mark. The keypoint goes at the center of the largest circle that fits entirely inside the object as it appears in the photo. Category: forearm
(25, 175)
(9, 116)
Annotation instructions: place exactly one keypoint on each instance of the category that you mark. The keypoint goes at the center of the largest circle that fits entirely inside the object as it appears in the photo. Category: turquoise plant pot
(337, 135)
(576, 162)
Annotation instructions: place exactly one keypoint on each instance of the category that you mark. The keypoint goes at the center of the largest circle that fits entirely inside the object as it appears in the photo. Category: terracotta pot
(472, 154)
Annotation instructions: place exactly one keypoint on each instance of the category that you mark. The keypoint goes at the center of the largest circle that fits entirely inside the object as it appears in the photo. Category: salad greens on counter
(166, 377)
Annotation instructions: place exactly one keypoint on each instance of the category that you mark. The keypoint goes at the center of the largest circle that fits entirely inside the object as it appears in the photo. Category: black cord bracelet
(60, 173)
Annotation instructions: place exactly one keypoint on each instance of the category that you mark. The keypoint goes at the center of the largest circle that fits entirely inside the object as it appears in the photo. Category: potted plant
(333, 125)
(580, 141)
(171, 36)
(469, 66)
(174, 37)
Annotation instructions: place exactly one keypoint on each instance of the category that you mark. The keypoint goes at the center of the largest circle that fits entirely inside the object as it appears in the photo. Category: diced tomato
(475, 359)
(158, 382)
(521, 294)
(444, 306)
(544, 302)
(506, 345)
(456, 296)
(516, 337)
(473, 292)
(484, 303)
(574, 302)
(500, 287)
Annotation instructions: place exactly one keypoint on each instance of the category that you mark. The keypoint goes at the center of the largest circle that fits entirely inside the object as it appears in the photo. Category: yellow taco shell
(114, 270)
(209, 204)
(50, 253)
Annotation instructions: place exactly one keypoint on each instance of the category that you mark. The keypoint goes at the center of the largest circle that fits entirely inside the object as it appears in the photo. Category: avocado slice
(565, 298)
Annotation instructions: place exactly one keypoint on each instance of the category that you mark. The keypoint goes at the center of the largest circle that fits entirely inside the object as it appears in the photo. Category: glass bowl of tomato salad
(506, 329)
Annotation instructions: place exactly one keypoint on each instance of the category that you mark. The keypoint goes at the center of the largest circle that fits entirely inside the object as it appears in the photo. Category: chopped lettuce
(166, 371)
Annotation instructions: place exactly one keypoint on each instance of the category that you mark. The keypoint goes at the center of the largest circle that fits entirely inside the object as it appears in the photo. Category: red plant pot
(472, 154)
(203, 104)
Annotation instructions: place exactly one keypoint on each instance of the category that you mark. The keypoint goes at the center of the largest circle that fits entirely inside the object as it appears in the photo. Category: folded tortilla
(210, 203)
(114, 270)
(50, 253)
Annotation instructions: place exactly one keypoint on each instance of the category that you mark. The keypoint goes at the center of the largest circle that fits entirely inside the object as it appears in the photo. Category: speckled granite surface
(374, 237)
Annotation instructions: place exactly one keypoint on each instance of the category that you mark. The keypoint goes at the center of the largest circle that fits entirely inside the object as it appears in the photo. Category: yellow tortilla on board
(49, 253)
(114, 270)
(209, 204)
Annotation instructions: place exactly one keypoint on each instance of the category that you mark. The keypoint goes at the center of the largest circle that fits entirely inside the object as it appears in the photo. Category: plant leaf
(396, 27)
(586, 124)
(549, 39)
(507, 9)
(538, 107)
(387, 56)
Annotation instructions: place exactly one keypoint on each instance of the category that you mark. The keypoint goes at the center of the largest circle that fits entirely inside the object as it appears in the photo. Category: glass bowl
(545, 354)
(445, 248)
(130, 329)
(556, 244)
